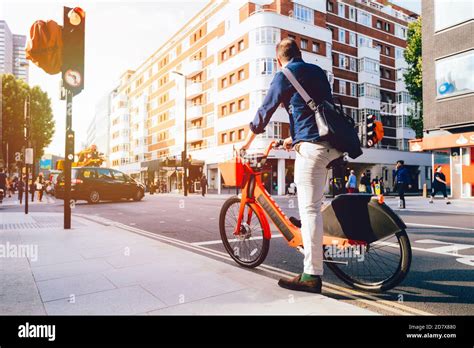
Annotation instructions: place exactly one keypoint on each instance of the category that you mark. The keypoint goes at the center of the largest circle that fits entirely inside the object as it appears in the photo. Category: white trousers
(310, 179)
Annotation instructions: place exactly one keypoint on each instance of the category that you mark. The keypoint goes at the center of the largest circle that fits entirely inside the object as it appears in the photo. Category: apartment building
(12, 53)
(98, 131)
(448, 92)
(217, 69)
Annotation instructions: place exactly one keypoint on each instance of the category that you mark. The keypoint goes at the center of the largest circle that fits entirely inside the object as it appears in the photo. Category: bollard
(425, 191)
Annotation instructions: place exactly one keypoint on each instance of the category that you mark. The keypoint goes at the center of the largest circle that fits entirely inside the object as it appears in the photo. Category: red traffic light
(76, 15)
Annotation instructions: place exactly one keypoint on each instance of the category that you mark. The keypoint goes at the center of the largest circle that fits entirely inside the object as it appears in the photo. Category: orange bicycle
(365, 243)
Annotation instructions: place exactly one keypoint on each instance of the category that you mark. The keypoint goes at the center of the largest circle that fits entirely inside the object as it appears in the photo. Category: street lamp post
(185, 152)
(28, 146)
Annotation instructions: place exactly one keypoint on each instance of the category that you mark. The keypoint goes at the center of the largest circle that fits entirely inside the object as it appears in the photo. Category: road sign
(29, 155)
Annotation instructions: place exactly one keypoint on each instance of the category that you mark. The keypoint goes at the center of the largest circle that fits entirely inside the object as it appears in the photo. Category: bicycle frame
(255, 195)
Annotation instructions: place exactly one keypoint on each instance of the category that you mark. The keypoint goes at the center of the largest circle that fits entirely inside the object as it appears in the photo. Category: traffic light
(73, 49)
(374, 130)
(70, 145)
(370, 130)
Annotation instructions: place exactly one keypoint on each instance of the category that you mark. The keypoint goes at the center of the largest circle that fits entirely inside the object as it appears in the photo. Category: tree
(413, 76)
(14, 94)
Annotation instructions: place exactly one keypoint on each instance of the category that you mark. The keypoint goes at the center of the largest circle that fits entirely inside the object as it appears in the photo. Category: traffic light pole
(28, 145)
(185, 160)
(68, 163)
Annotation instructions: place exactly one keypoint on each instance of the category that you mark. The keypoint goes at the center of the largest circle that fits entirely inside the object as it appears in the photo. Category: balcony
(194, 134)
(192, 67)
(368, 52)
(193, 90)
(194, 112)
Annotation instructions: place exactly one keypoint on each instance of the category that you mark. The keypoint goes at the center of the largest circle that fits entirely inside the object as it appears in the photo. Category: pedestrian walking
(364, 183)
(402, 182)
(40, 186)
(439, 185)
(48, 189)
(21, 189)
(351, 182)
(204, 185)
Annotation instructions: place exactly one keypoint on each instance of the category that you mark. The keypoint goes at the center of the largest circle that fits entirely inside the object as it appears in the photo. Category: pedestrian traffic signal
(70, 145)
(374, 131)
(73, 49)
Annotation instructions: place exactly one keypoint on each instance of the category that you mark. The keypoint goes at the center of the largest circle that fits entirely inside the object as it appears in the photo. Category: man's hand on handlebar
(287, 144)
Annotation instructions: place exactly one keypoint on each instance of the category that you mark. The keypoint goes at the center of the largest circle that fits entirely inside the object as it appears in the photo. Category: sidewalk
(103, 269)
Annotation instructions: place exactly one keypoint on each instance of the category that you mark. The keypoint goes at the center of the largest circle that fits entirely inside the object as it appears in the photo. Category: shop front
(454, 153)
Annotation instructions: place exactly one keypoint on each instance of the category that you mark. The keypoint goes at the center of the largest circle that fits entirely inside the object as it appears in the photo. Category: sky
(120, 35)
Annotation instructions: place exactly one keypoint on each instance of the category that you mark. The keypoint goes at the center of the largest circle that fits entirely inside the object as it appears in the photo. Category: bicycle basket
(232, 171)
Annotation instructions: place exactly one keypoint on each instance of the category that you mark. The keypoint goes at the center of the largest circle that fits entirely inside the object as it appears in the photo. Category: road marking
(132, 224)
(389, 306)
(448, 249)
(188, 220)
(440, 226)
(162, 222)
(211, 242)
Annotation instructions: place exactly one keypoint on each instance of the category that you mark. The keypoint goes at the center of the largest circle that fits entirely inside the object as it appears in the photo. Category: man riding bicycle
(312, 154)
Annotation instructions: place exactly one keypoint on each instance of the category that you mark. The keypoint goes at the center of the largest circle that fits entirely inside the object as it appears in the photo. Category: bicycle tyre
(230, 250)
(397, 277)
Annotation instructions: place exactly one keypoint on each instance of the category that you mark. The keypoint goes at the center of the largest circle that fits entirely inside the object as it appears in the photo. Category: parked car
(95, 184)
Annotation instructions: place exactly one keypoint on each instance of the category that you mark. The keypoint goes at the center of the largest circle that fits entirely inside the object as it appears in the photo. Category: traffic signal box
(374, 131)
(73, 49)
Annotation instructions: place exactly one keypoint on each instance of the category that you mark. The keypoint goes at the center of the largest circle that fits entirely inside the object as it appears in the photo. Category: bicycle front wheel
(249, 248)
(377, 267)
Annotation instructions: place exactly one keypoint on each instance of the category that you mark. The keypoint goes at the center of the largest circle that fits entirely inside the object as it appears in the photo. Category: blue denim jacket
(302, 122)
(402, 176)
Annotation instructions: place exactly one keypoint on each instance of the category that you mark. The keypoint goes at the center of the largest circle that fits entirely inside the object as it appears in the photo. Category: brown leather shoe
(296, 284)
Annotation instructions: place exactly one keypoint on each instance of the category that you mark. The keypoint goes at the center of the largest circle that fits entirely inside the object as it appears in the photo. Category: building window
(399, 52)
(352, 13)
(316, 47)
(224, 110)
(368, 90)
(330, 6)
(454, 75)
(232, 136)
(303, 13)
(353, 89)
(364, 18)
(451, 13)
(369, 65)
(241, 45)
(224, 82)
(241, 104)
(232, 50)
(342, 35)
(224, 138)
(241, 74)
(340, 10)
(343, 61)
(232, 78)
(352, 39)
(233, 108)
(400, 31)
(387, 50)
(342, 87)
(378, 24)
(304, 44)
(241, 134)
(352, 64)
(364, 41)
(266, 36)
(266, 66)
(224, 55)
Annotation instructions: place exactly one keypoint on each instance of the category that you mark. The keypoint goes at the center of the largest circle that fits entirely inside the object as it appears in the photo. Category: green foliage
(14, 94)
(413, 76)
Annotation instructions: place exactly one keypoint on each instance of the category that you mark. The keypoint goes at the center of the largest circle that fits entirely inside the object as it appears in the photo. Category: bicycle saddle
(340, 161)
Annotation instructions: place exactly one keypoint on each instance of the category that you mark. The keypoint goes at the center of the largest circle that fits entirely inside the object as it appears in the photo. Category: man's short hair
(288, 49)
(402, 162)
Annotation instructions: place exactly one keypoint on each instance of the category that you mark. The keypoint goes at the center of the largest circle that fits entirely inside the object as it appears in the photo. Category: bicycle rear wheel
(249, 248)
(377, 267)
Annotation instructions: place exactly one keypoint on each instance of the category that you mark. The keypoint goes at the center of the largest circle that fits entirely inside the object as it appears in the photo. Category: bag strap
(301, 91)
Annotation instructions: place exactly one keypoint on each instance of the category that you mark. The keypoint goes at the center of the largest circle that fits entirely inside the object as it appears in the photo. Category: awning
(442, 142)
